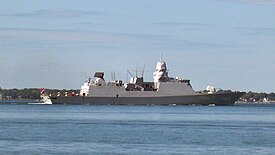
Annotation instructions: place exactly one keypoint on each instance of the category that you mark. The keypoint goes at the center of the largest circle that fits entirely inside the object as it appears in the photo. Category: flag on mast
(42, 90)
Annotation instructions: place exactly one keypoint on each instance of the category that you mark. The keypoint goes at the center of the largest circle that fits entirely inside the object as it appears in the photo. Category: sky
(229, 44)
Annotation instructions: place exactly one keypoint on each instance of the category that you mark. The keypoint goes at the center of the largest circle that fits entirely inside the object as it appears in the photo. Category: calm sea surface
(73, 129)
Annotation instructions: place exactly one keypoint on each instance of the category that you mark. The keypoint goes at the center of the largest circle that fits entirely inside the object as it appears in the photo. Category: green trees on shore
(28, 93)
(34, 94)
(253, 96)
(31, 93)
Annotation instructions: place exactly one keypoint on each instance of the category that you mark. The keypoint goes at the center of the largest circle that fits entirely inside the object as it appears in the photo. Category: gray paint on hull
(199, 99)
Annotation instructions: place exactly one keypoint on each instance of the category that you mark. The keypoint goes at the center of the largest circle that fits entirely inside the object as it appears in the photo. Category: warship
(164, 90)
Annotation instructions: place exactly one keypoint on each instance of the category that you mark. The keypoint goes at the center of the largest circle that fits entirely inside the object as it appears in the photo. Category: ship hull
(219, 99)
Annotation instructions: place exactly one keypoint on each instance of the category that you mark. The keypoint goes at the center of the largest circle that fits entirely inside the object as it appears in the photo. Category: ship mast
(161, 73)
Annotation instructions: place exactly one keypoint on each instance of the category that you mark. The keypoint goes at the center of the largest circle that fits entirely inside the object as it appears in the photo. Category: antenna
(161, 55)
(130, 73)
(136, 70)
(113, 76)
(143, 70)
(127, 77)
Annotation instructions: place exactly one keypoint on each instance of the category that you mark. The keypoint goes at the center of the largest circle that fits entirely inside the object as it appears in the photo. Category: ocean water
(82, 129)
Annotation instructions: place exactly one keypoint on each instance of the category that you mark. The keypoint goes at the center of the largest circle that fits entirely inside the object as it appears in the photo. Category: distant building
(1, 96)
(8, 97)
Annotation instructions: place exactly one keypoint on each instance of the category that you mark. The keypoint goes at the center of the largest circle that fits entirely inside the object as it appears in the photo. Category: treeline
(258, 97)
(29, 93)
(34, 94)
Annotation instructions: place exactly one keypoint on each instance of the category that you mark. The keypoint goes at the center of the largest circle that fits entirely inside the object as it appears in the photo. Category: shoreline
(26, 101)
(23, 101)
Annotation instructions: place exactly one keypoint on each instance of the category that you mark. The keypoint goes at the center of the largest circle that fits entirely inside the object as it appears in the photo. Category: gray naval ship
(164, 90)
